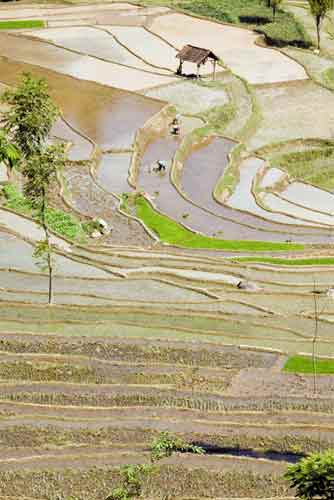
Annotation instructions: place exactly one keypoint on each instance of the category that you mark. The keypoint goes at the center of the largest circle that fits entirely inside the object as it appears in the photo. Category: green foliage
(40, 170)
(31, 115)
(9, 154)
(58, 221)
(284, 30)
(173, 233)
(65, 224)
(132, 477)
(313, 476)
(166, 444)
(319, 9)
(21, 24)
(43, 254)
(15, 200)
(304, 364)
(314, 166)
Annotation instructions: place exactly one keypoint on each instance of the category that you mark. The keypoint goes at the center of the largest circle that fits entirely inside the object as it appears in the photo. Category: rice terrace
(166, 249)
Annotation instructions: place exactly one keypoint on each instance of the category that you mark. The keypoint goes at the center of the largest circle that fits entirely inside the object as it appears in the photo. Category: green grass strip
(304, 364)
(21, 24)
(174, 233)
(60, 222)
(311, 261)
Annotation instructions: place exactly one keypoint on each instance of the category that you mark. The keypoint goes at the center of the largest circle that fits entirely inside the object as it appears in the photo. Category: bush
(313, 477)
(285, 31)
(166, 444)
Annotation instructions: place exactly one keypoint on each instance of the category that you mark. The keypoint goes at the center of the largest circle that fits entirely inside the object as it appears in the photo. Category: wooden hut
(198, 56)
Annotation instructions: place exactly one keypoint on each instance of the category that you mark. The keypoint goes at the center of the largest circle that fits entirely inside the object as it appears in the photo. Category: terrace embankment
(58, 413)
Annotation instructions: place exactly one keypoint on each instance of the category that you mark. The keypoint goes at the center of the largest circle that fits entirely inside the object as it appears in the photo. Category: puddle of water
(243, 199)
(110, 117)
(34, 51)
(310, 197)
(113, 172)
(80, 149)
(18, 254)
(272, 176)
(146, 45)
(201, 172)
(92, 41)
(276, 203)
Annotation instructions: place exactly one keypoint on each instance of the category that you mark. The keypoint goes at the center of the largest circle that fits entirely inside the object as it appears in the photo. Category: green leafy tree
(319, 9)
(28, 123)
(40, 171)
(275, 4)
(313, 476)
(31, 114)
(9, 153)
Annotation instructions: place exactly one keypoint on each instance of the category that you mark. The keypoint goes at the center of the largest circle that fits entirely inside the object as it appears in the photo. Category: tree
(313, 476)
(319, 9)
(275, 4)
(31, 115)
(9, 153)
(40, 170)
(28, 123)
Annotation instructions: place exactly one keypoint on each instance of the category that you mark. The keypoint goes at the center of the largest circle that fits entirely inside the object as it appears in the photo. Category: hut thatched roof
(195, 55)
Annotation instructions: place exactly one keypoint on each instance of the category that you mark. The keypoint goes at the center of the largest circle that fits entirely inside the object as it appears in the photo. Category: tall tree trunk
(318, 23)
(274, 12)
(47, 239)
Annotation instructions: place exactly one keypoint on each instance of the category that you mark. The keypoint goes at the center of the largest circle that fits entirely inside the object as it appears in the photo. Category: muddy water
(80, 149)
(110, 117)
(113, 172)
(200, 175)
(92, 41)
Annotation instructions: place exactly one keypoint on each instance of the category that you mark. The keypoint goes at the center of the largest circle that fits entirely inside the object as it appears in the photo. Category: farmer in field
(161, 166)
(175, 125)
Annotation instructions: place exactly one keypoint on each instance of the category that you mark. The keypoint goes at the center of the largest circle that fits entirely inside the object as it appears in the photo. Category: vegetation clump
(304, 364)
(166, 444)
(173, 233)
(280, 28)
(313, 476)
(60, 222)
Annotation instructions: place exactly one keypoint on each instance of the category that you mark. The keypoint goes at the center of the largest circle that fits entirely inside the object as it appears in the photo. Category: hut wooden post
(198, 56)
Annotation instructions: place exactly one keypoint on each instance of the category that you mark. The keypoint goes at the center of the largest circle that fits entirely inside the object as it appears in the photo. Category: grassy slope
(252, 13)
(173, 233)
(303, 364)
(313, 166)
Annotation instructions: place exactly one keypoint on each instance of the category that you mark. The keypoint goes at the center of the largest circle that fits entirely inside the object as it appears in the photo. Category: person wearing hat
(175, 125)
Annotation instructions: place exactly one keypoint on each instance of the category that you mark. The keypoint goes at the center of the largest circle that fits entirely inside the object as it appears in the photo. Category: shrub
(166, 444)
(313, 476)
(132, 478)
